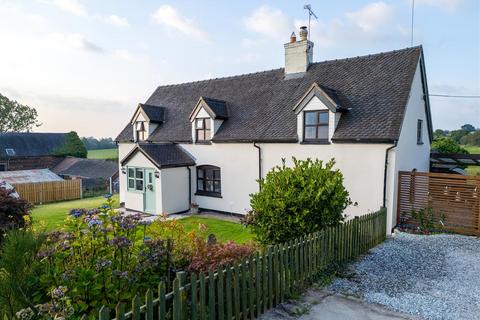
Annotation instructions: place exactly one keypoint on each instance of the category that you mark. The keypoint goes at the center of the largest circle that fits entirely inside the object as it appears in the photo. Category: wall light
(124, 170)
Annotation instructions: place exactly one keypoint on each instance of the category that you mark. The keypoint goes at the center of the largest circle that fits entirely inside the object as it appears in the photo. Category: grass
(223, 230)
(52, 215)
(473, 170)
(103, 154)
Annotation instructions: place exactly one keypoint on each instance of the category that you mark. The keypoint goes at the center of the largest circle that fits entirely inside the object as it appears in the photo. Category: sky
(86, 64)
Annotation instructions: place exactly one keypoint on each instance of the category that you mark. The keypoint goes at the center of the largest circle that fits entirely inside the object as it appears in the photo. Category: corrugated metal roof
(29, 176)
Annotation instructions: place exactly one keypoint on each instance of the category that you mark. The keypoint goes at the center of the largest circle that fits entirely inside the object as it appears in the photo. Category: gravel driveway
(433, 277)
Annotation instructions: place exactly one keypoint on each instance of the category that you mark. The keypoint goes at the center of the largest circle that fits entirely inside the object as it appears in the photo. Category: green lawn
(54, 214)
(103, 154)
(223, 230)
(473, 170)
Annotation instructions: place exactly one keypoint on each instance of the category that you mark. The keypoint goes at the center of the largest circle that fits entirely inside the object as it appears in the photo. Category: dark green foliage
(447, 145)
(296, 201)
(92, 143)
(13, 211)
(468, 127)
(439, 133)
(472, 139)
(73, 147)
(15, 117)
(457, 135)
(19, 276)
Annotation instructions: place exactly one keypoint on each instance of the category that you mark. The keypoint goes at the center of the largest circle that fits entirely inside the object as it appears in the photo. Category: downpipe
(259, 162)
(385, 173)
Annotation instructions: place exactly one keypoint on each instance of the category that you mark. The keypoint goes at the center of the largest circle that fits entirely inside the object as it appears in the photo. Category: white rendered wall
(239, 172)
(123, 149)
(174, 192)
(361, 164)
(409, 155)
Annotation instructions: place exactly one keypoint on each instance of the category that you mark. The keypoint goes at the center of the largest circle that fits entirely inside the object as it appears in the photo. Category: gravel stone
(433, 277)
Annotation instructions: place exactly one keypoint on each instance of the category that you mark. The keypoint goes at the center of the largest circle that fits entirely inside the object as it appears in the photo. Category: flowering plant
(105, 257)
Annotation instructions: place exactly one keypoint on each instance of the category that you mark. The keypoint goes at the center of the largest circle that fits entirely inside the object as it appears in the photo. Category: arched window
(209, 181)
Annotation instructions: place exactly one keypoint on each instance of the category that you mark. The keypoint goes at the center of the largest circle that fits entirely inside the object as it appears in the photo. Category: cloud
(169, 16)
(269, 22)
(71, 6)
(76, 41)
(116, 21)
(123, 54)
(448, 5)
(372, 16)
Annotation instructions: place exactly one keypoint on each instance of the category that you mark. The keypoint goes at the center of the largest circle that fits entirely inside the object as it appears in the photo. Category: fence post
(182, 280)
(104, 313)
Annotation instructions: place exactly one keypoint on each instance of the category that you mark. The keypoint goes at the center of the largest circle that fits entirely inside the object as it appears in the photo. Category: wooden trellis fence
(454, 200)
(44, 192)
(259, 283)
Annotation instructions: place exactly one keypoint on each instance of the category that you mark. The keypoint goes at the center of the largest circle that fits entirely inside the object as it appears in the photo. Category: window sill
(208, 194)
(203, 142)
(135, 191)
(316, 142)
(419, 143)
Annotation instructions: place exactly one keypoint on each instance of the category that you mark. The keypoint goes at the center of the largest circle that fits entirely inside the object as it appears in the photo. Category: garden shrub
(14, 211)
(211, 256)
(295, 201)
(19, 273)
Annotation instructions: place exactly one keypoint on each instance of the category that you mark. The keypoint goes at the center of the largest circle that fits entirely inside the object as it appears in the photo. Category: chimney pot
(303, 33)
(293, 38)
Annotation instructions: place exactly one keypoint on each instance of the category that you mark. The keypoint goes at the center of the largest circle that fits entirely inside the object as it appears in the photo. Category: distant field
(472, 149)
(473, 170)
(103, 154)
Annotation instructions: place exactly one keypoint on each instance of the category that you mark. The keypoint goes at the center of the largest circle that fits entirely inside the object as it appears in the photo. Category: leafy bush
(211, 256)
(472, 139)
(13, 211)
(73, 146)
(447, 145)
(299, 200)
(19, 278)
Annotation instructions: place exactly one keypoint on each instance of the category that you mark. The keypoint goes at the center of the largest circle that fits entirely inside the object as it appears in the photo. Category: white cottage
(208, 142)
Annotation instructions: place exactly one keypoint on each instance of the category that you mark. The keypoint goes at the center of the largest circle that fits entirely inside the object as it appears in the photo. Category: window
(135, 179)
(209, 181)
(141, 132)
(315, 125)
(10, 152)
(419, 131)
(203, 129)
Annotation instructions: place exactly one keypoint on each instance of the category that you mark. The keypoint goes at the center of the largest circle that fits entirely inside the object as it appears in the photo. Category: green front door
(149, 195)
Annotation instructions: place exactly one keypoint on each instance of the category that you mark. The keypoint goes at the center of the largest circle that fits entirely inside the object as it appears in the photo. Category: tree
(468, 127)
(16, 117)
(92, 143)
(472, 139)
(447, 145)
(456, 135)
(439, 133)
(73, 147)
(295, 201)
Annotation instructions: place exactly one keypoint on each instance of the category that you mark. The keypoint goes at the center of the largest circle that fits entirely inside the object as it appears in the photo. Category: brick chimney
(298, 54)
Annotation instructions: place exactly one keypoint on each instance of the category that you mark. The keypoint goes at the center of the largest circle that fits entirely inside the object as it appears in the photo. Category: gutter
(259, 161)
(385, 172)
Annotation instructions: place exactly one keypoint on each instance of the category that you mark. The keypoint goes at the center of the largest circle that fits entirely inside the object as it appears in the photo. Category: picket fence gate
(259, 283)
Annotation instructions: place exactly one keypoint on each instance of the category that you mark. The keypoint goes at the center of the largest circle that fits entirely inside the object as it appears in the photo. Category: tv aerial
(311, 14)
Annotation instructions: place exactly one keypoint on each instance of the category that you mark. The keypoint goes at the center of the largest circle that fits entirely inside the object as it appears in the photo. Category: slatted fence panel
(454, 200)
(248, 289)
(44, 192)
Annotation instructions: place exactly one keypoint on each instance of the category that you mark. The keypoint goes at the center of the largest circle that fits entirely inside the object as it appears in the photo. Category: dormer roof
(153, 114)
(216, 109)
(330, 98)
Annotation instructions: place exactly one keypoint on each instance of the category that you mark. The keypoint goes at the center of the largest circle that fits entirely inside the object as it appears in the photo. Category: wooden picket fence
(44, 192)
(259, 283)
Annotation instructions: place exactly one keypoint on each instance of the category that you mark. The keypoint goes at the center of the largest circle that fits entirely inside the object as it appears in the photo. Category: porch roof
(455, 159)
(162, 155)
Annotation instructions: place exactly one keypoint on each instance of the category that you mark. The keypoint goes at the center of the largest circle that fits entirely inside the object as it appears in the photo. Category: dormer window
(140, 131)
(315, 127)
(203, 129)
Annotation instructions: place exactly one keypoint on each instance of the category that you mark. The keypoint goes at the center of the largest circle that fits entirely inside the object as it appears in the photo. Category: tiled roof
(154, 113)
(163, 155)
(86, 168)
(376, 88)
(30, 144)
(219, 107)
